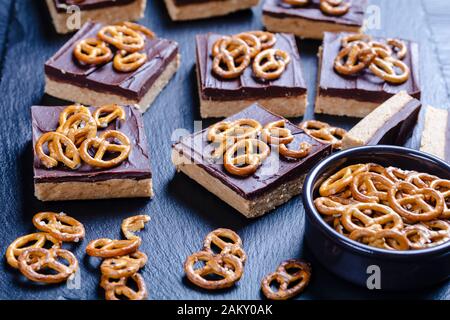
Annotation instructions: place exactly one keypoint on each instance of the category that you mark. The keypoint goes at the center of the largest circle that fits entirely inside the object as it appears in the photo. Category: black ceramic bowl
(356, 262)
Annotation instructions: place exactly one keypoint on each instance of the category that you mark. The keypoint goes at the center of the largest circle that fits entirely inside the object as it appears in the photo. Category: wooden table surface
(182, 212)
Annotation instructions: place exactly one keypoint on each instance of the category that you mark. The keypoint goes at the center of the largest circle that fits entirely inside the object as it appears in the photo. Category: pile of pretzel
(233, 54)
(122, 261)
(76, 137)
(387, 208)
(127, 38)
(324, 133)
(30, 255)
(330, 7)
(244, 144)
(220, 264)
(360, 51)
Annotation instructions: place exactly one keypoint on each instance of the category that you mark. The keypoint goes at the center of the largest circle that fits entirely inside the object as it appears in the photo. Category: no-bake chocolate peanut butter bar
(131, 177)
(275, 179)
(199, 9)
(104, 11)
(69, 79)
(309, 21)
(219, 97)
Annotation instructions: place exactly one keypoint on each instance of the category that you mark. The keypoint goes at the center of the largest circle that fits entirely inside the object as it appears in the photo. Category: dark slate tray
(182, 212)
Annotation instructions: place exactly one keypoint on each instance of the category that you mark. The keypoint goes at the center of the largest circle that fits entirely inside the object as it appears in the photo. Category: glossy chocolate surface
(364, 86)
(62, 5)
(64, 67)
(247, 86)
(274, 171)
(137, 166)
(279, 9)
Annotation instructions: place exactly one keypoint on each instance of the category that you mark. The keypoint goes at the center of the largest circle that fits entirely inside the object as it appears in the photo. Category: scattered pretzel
(70, 156)
(303, 150)
(105, 114)
(61, 226)
(323, 132)
(128, 62)
(335, 7)
(122, 37)
(116, 289)
(107, 248)
(134, 224)
(227, 241)
(92, 51)
(256, 151)
(358, 213)
(124, 266)
(292, 277)
(270, 64)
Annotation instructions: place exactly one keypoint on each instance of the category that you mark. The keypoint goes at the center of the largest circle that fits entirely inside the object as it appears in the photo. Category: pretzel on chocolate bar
(78, 127)
(385, 67)
(128, 62)
(323, 132)
(252, 42)
(60, 226)
(335, 7)
(353, 58)
(245, 164)
(55, 141)
(122, 37)
(70, 111)
(107, 113)
(92, 51)
(139, 28)
(270, 63)
(277, 133)
(124, 266)
(232, 58)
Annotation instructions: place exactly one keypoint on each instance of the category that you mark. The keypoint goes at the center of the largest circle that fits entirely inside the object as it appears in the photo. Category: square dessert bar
(199, 9)
(68, 79)
(130, 178)
(310, 21)
(436, 133)
(358, 95)
(276, 181)
(286, 96)
(105, 11)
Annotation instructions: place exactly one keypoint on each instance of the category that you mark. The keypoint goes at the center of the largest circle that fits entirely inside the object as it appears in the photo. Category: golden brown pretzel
(323, 132)
(139, 28)
(116, 289)
(329, 207)
(400, 48)
(61, 226)
(353, 59)
(128, 62)
(107, 248)
(33, 262)
(232, 59)
(270, 63)
(252, 42)
(418, 236)
(227, 241)
(290, 283)
(103, 145)
(277, 133)
(375, 187)
(266, 38)
(335, 7)
(340, 180)
(385, 239)
(255, 152)
(388, 219)
(421, 180)
(125, 266)
(78, 127)
(92, 51)
(107, 113)
(396, 174)
(297, 3)
(303, 150)
(228, 267)
(70, 111)
(384, 66)
(443, 187)
(70, 156)
(355, 38)
(29, 241)
(134, 224)
(122, 37)
(439, 231)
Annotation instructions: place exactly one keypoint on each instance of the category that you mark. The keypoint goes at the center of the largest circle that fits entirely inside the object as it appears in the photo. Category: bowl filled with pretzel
(379, 216)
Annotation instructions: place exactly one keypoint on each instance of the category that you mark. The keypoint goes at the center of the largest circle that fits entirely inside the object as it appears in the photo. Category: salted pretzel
(92, 51)
(61, 226)
(125, 266)
(277, 133)
(439, 231)
(292, 277)
(388, 218)
(244, 164)
(396, 174)
(102, 146)
(297, 3)
(122, 37)
(267, 39)
(329, 207)
(340, 180)
(384, 239)
(107, 113)
(375, 185)
(134, 224)
(418, 236)
(421, 180)
(33, 263)
(107, 248)
(400, 48)
(128, 62)
(231, 63)
(226, 266)
(380, 46)
(355, 38)
(323, 132)
(335, 7)
(270, 63)
(115, 289)
(302, 151)
(139, 28)
(411, 202)
(353, 59)
(227, 241)
(69, 156)
(252, 42)
(78, 127)
(70, 111)
(29, 241)
(443, 187)
(384, 66)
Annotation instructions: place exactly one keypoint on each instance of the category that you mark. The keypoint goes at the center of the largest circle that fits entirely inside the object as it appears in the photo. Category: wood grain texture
(182, 212)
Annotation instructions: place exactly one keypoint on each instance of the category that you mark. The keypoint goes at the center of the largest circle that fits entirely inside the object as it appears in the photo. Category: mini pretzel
(126, 266)
(32, 263)
(30, 241)
(70, 111)
(297, 3)
(376, 187)
(340, 180)
(334, 7)
(78, 127)
(256, 151)
(231, 63)
(122, 37)
(329, 207)
(439, 232)
(70, 156)
(303, 150)
(418, 236)
(323, 132)
(102, 145)
(290, 283)
(266, 38)
(270, 63)
(105, 114)
(355, 38)
(113, 290)
(139, 28)
(443, 187)
(134, 224)
(357, 212)
(385, 239)
(421, 180)
(384, 65)
(92, 51)
(277, 133)
(125, 62)
(399, 47)
(353, 59)
(396, 174)
(60, 226)
(107, 248)
(226, 266)
(227, 241)
(252, 42)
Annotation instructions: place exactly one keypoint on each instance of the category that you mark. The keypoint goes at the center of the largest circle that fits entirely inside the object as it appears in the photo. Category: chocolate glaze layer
(247, 86)
(279, 9)
(137, 166)
(272, 172)
(62, 5)
(64, 67)
(364, 86)
(187, 2)
(447, 139)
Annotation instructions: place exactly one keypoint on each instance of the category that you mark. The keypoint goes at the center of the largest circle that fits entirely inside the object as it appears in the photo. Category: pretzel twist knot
(227, 241)
(270, 64)
(335, 7)
(124, 266)
(231, 57)
(55, 141)
(107, 248)
(115, 289)
(60, 226)
(92, 51)
(245, 156)
(122, 37)
(106, 114)
(127, 62)
(323, 132)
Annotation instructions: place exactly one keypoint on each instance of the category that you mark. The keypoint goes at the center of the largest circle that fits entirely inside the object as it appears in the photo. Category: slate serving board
(182, 212)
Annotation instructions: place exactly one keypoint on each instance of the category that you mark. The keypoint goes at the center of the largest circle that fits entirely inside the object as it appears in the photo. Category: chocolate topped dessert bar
(131, 177)
(199, 9)
(69, 79)
(104, 11)
(309, 20)
(276, 179)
